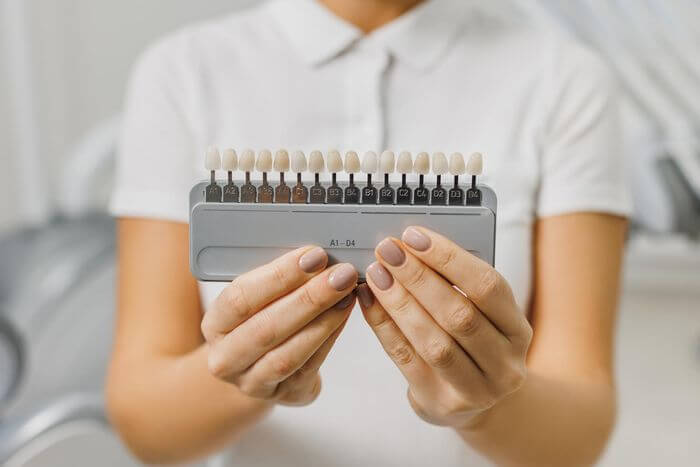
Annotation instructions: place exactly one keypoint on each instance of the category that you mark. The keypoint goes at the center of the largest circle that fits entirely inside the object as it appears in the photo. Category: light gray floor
(658, 363)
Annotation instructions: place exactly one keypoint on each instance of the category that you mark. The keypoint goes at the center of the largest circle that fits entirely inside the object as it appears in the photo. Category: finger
(452, 311)
(306, 380)
(263, 377)
(275, 323)
(395, 344)
(430, 342)
(484, 286)
(245, 296)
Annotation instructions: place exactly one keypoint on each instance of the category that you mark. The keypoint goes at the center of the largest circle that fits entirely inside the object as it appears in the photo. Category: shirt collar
(315, 32)
(419, 38)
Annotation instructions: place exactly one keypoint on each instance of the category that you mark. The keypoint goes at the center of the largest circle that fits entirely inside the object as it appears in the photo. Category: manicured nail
(313, 260)
(380, 276)
(345, 302)
(416, 239)
(365, 295)
(343, 277)
(391, 253)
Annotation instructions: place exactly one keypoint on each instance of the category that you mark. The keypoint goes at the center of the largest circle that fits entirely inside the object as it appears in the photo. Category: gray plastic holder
(230, 239)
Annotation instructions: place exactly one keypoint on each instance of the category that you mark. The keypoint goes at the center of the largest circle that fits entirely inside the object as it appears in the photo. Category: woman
(518, 369)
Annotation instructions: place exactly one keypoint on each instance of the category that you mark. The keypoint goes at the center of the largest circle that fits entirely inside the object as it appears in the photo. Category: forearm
(548, 422)
(170, 409)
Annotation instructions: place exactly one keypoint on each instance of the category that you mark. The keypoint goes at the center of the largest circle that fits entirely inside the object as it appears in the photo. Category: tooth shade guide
(213, 193)
(475, 167)
(439, 194)
(335, 165)
(369, 192)
(386, 193)
(331, 192)
(317, 193)
(231, 191)
(404, 195)
(300, 194)
(212, 162)
(266, 194)
(352, 192)
(474, 197)
(456, 194)
(249, 194)
(335, 194)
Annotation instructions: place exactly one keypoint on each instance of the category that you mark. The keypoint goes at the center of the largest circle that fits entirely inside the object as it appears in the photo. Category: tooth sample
(475, 167)
(249, 194)
(404, 167)
(440, 168)
(335, 165)
(300, 193)
(230, 164)
(387, 165)
(283, 194)
(421, 195)
(317, 165)
(456, 195)
(212, 163)
(352, 166)
(369, 166)
(266, 193)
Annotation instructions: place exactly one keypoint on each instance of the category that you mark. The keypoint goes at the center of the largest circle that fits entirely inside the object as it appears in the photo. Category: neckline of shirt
(419, 38)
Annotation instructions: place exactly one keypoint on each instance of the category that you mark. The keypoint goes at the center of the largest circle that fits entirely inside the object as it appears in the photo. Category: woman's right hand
(270, 330)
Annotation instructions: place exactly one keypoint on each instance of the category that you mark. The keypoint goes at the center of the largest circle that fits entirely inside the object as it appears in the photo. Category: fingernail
(313, 260)
(416, 239)
(364, 294)
(380, 276)
(345, 302)
(391, 253)
(343, 277)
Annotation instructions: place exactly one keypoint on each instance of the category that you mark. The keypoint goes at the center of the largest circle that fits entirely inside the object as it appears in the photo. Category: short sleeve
(154, 167)
(582, 165)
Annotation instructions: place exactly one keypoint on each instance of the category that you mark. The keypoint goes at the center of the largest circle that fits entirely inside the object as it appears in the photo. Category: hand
(450, 323)
(271, 329)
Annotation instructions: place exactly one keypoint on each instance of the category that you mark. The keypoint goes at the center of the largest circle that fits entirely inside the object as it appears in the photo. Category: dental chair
(56, 323)
(56, 312)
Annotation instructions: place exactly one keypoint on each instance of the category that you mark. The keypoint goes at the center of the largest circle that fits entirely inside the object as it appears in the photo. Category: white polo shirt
(450, 75)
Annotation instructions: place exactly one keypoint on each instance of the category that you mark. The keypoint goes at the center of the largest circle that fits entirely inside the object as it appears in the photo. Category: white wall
(82, 53)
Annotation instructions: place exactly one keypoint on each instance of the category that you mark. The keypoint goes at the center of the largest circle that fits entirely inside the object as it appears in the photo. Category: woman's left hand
(450, 323)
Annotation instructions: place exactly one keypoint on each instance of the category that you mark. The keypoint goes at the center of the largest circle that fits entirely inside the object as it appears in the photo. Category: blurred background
(63, 69)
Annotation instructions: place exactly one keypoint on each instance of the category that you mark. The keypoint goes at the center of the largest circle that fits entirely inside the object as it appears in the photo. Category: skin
(470, 359)
(369, 15)
(165, 378)
(182, 384)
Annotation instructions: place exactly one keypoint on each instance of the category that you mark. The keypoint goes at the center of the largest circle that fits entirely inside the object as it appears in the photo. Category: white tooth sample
(440, 165)
(264, 163)
(457, 164)
(475, 166)
(387, 163)
(370, 164)
(247, 161)
(335, 162)
(282, 161)
(405, 163)
(317, 164)
(230, 160)
(422, 165)
(299, 162)
(212, 161)
(352, 162)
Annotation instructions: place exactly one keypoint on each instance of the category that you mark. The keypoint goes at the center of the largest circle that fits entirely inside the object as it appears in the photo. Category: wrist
(475, 422)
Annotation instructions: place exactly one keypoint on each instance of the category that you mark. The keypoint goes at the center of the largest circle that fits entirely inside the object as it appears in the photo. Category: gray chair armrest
(18, 433)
